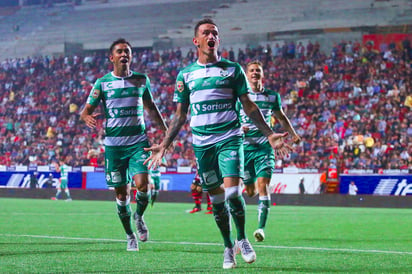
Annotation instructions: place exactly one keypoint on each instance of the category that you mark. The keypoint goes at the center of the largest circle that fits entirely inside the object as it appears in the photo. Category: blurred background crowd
(352, 105)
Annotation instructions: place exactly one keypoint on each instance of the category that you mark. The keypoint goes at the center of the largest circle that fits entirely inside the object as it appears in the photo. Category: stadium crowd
(352, 107)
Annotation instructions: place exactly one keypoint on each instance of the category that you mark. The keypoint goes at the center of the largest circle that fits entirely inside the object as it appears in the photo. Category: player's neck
(207, 59)
(257, 88)
(121, 72)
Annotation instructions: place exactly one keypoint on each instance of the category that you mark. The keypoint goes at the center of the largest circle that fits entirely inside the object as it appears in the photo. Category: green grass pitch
(45, 236)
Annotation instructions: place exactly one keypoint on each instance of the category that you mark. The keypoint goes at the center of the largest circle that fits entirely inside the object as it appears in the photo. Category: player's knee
(142, 188)
(250, 190)
(232, 192)
(199, 189)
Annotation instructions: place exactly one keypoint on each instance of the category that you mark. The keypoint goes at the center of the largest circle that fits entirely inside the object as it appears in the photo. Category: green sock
(154, 195)
(237, 210)
(222, 220)
(263, 211)
(124, 211)
(68, 194)
(142, 199)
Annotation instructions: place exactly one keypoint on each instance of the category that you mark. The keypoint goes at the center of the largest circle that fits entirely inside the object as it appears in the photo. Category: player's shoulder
(190, 67)
(271, 92)
(227, 63)
(106, 77)
(138, 75)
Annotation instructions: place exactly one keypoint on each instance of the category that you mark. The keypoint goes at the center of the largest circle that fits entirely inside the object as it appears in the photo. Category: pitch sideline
(217, 244)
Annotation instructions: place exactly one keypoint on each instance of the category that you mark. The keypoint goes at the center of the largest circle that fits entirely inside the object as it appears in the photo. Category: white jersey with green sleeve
(155, 172)
(268, 101)
(123, 107)
(64, 171)
(211, 91)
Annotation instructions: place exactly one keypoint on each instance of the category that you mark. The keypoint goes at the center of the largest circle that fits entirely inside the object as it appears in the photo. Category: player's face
(254, 74)
(207, 38)
(121, 55)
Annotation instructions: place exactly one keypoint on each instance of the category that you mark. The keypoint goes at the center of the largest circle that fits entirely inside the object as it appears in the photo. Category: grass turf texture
(45, 236)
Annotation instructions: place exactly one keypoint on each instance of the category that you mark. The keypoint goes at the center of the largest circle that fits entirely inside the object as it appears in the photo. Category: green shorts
(63, 183)
(220, 160)
(155, 182)
(123, 162)
(258, 163)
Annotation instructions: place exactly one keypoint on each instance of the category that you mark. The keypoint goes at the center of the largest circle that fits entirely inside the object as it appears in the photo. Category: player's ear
(195, 42)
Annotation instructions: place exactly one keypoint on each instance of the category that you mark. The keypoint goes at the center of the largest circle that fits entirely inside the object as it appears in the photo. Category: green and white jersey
(211, 91)
(64, 172)
(123, 106)
(156, 171)
(268, 101)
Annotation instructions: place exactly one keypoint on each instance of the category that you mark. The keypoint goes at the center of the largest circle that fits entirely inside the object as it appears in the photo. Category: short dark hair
(119, 41)
(202, 22)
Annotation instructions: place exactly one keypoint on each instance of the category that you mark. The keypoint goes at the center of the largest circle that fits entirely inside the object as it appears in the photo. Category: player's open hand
(155, 159)
(279, 145)
(90, 120)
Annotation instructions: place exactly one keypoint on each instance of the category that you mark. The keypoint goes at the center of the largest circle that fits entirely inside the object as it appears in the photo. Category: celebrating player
(259, 157)
(124, 93)
(210, 87)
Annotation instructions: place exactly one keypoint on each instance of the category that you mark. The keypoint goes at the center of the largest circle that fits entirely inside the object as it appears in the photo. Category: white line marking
(218, 244)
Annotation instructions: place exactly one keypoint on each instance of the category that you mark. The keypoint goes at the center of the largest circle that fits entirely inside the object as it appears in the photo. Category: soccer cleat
(248, 254)
(132, 244)
(259, 235)
(141, 227)
(229, 260)
(195, 209)
(69, 200)
(209, 212)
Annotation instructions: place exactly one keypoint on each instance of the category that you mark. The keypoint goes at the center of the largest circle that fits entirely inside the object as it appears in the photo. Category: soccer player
(210, 87)
(197, 193)
(63, 181)
(154, 179)
(259, 157)
(124, 94)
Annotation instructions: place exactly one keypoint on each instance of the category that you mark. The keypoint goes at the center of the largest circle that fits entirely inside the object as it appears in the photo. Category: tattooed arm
(158, 151)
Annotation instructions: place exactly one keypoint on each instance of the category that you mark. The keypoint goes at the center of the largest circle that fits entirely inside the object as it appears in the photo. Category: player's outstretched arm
(279, 146)
(276, 140)
(286, 124)
(88, 116)
(158, 151)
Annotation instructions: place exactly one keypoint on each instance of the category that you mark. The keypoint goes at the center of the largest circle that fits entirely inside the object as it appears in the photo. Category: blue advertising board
(168, 181)
(22, 179)
(378, 184)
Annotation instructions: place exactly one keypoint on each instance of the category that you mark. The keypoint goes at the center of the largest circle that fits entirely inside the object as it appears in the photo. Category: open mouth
(211, 44)
(124, 60)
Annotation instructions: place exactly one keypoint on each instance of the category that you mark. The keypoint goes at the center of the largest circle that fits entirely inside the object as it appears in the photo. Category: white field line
(349, 250)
